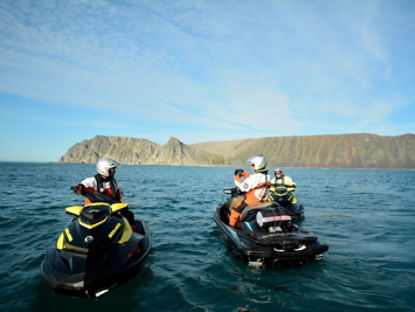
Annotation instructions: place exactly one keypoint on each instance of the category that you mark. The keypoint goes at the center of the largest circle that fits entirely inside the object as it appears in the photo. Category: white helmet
(259, 161)
(104, 164)
(278, 169)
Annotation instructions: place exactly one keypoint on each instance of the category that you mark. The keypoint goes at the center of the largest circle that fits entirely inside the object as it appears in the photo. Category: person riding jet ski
(255, 186)
(104, 182)
(281, 192)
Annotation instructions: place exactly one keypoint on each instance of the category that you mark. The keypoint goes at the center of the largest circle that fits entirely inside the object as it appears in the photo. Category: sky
(201, 70)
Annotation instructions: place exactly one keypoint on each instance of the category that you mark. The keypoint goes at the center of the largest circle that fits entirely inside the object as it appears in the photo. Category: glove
(238, 172)
(79, 188)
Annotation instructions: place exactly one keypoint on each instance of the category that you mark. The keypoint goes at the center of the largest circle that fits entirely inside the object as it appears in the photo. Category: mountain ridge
(362, 150)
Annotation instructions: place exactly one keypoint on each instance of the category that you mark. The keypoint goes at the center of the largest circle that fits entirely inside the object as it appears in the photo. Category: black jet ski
(267, 236)
(97, 250)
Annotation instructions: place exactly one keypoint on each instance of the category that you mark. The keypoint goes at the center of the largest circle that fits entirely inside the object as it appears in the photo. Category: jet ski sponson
(96, 251)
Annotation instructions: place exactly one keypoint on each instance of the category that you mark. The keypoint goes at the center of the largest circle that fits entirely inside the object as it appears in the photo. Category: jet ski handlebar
(95, 197)
(234, 191)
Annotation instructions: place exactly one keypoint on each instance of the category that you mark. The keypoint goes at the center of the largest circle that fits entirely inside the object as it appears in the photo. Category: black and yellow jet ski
(97, 250)
(267, 236)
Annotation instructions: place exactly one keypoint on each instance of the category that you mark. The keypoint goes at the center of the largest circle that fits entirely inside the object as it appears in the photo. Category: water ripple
(370, 265)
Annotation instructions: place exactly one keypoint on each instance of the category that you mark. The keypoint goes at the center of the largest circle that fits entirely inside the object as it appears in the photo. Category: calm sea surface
(367, 217)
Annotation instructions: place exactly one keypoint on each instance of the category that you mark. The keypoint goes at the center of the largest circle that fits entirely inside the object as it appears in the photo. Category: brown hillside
(320, 151)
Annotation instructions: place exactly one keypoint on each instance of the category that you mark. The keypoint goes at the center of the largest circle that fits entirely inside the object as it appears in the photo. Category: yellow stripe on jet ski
(68, 234)
(126, 232)
(111, 234)
(97, 204)
(88, 226)
(60, 244)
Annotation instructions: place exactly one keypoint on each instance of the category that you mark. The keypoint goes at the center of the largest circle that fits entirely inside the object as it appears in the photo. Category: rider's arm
(118, 196)
(245, 185)
(290, 184)
(245, 174)
(119, 193)
(90, 184)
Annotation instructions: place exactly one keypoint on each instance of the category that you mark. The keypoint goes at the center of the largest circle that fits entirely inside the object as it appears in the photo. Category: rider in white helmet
(103, 182)
(281, 178)
(254, 185)
(282, 188)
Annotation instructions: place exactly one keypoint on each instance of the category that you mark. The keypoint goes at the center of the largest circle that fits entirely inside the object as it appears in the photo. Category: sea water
(367, 217)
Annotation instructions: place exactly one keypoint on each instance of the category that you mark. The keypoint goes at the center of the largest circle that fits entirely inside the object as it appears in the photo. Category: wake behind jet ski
(266, 235)
(97, 250)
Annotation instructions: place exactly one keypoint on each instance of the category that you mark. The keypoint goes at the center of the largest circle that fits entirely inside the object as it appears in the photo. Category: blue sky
(201, 71)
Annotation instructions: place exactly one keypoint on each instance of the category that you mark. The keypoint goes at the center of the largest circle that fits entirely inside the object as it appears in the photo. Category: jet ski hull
(95, 273)
(270, 249)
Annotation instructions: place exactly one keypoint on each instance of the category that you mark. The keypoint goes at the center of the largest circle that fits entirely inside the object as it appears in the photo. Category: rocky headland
(319, 151)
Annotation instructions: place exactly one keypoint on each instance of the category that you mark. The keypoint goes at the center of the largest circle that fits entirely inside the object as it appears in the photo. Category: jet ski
(97, 250)
(267, 236)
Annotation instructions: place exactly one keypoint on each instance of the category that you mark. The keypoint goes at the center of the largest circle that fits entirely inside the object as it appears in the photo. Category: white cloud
(249, 68)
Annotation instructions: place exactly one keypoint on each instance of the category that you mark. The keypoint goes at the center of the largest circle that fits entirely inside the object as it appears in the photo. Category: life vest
(263, 190)
(257, 193)
(283, 182)
(111, 191)
(282, 191)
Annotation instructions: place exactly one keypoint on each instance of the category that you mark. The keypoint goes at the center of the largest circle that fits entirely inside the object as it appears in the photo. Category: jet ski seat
(233, 202)
(249, 213)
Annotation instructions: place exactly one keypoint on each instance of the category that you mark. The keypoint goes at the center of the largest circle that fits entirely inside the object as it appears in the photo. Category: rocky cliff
(135, 151)
(325, 151)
